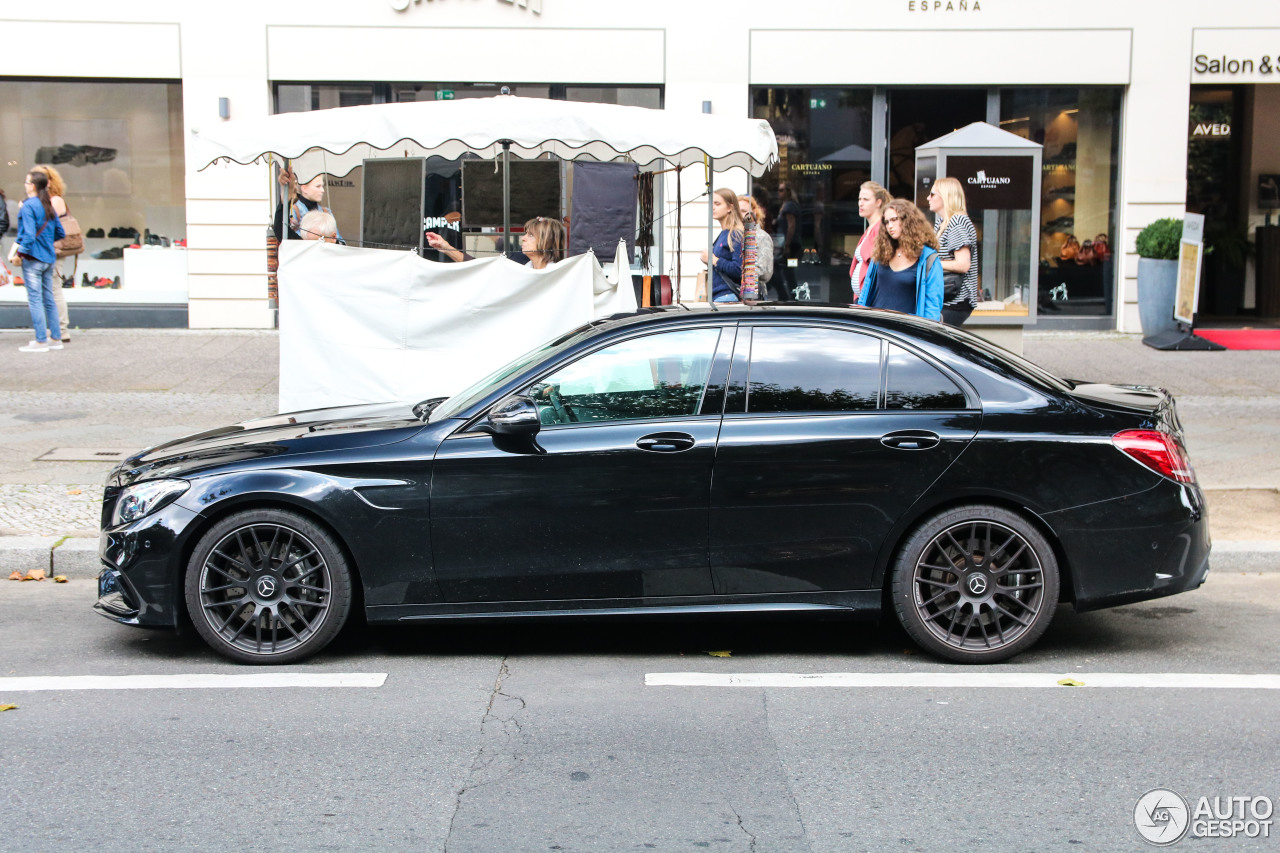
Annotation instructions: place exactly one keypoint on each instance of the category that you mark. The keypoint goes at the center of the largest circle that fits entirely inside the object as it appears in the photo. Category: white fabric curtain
(374, 325)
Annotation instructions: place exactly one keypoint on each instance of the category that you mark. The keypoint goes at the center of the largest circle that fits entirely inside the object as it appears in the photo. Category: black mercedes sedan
(739, 460)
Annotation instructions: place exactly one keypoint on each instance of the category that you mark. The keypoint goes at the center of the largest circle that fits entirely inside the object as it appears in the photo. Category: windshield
(465, 399)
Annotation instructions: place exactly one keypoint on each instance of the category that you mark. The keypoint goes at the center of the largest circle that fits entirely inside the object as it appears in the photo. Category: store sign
(1210, 130)
(811, 167)
(993, 183)
(534, 6)
(944, 6)
(1235, 56)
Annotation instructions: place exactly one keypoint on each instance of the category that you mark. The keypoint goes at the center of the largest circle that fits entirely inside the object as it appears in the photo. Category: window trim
(973, 402)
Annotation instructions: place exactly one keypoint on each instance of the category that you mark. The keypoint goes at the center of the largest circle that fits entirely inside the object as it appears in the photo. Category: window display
(1080, 131)
(118, 150)
(811, 197)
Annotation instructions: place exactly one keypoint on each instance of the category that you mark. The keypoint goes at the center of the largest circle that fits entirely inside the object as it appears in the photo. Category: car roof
(888, 320)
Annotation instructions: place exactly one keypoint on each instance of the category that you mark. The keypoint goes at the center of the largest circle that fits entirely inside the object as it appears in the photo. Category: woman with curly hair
(905, 274)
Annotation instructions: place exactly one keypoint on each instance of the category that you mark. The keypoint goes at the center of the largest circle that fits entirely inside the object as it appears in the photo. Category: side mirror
(515, 416)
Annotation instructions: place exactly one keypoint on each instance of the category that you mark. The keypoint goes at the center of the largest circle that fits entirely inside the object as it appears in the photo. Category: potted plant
(1158, 246)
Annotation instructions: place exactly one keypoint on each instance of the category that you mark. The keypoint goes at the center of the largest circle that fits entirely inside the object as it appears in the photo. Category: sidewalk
(124, 389)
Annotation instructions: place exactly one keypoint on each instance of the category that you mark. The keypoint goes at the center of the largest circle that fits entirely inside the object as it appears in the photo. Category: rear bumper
(1143, 546)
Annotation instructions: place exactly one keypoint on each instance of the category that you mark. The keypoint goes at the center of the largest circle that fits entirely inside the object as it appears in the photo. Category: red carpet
(1242, 338)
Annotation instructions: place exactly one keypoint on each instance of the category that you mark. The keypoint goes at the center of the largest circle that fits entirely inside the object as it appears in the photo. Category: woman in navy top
(38, 228)
(726, 262)
(905, 274)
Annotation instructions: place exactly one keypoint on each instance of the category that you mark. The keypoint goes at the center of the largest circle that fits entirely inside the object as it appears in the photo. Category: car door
(609, 500)
(829, 436)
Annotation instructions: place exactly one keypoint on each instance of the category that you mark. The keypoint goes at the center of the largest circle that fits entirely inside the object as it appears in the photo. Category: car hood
(291, 433)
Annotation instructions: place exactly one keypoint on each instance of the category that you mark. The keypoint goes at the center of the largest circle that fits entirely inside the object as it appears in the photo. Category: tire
(975, 584)
(268, 586)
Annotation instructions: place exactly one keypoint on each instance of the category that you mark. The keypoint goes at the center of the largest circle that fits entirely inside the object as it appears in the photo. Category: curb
(54, 555)
(77, 557)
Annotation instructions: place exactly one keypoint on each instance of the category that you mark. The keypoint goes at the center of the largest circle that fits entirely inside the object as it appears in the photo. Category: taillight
(1159, 451)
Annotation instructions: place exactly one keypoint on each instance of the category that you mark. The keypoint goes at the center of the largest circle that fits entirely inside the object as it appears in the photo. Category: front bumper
(140, 580)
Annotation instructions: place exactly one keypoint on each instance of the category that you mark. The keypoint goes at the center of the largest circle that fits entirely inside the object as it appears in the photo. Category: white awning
(335, 141)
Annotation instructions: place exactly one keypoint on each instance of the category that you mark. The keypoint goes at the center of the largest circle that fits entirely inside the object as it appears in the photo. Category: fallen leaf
(1071, 682)
(15, 576)
(720, 654)
(73, 491)
(34, 575)
(7, 707)
(59, 578)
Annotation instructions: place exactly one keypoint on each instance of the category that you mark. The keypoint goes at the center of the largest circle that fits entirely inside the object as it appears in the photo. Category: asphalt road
(538, 736)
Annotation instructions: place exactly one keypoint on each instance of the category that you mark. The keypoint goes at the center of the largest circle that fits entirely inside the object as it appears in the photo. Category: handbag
(73, 243)
(952, 286)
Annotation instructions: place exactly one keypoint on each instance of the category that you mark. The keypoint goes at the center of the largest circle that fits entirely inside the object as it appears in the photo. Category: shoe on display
(115, 283)
(94, 233)
(34, 347)
(115, 253)
(84, 282)
(68, 282)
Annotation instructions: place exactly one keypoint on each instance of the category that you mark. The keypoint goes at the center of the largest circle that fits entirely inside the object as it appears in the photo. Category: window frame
(737, 392)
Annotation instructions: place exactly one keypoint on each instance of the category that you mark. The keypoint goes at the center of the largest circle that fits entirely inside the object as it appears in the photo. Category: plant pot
(1157, 289)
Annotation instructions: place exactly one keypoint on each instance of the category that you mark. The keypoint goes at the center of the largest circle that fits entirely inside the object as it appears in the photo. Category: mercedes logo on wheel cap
(978, 584)
(266, 587)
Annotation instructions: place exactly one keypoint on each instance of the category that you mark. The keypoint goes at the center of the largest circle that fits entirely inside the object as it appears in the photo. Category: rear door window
(812, 369)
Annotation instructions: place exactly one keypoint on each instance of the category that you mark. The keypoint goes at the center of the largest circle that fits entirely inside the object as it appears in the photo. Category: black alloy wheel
(268, 586)
(976, 584)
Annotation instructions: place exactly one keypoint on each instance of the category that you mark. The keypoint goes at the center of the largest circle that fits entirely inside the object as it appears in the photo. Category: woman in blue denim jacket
(38, 228)
(905, 274)
(726, 262)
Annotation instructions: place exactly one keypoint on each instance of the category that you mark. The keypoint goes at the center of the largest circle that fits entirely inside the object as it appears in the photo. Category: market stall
(324, 289)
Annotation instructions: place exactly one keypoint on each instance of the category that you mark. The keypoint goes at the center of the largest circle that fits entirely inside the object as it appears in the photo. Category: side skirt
(863, 603)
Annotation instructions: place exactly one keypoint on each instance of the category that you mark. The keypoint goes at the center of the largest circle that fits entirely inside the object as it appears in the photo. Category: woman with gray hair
(319, 225)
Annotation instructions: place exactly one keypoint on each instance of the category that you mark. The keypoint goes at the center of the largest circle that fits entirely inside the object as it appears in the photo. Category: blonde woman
(56, 191)
(872, 199)
(726, 260)
(958, 248)
(905, 273)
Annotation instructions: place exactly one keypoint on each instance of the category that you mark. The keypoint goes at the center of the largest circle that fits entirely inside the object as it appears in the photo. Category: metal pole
(506, 198)
(711, 224)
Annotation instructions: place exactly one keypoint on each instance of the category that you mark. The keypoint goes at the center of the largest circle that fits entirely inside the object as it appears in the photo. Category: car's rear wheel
(975, 584)
(268, 586)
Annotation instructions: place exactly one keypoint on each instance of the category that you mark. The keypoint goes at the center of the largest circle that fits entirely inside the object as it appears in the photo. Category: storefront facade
(1110, 91)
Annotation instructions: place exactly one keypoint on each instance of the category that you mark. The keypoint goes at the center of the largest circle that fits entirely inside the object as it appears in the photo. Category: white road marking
(1162, 680)
(191, 682)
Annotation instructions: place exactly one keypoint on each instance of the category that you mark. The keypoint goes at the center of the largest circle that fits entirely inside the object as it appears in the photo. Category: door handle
(665, 442)
(911, 440)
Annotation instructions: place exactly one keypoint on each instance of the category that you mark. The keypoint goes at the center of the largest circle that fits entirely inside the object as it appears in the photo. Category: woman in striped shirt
(957, 246)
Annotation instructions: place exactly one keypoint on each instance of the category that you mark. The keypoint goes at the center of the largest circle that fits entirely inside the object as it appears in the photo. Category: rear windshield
(1027, 370)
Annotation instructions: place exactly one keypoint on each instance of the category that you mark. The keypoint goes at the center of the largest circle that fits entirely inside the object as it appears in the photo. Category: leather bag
(73, 243)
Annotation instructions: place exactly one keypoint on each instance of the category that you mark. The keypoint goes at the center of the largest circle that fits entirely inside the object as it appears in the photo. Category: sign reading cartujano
(993, 183)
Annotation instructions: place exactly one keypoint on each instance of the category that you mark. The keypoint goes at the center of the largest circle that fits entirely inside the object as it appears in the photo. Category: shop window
(1079, 128)
(824, 150)
(118, 149)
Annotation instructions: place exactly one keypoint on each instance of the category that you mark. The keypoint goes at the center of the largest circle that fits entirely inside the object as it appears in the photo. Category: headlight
(143, 499)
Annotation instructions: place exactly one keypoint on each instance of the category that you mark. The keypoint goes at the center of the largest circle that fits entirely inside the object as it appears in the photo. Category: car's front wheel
(268, 586)
(975, 584)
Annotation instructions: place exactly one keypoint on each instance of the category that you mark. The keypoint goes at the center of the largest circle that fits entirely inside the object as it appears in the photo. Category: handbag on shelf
(73, 243)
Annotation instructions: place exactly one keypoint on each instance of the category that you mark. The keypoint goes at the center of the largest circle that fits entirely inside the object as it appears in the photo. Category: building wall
(698, 52)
